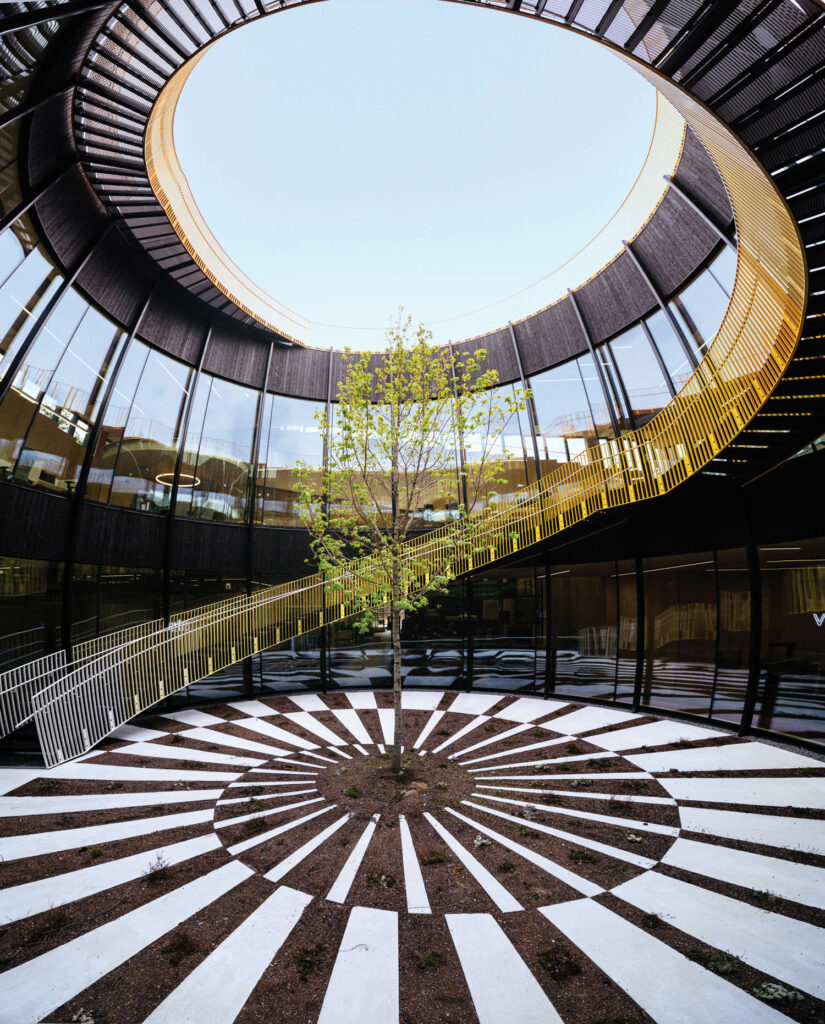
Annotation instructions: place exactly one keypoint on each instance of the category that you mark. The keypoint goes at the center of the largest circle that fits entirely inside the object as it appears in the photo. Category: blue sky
(355, 156)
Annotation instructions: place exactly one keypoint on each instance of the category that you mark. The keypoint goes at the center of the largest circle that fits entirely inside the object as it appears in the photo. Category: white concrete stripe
(183, 753)
(304, 720)
(628, 956)
(628, 823)
(283, 867)
(551, 760)
(363, 700)
(360, 749)
(503, 899)
(386, 719)
(14, 778)
(473, 703)
(416, 891)
(495, 739)
(131, 733)
(381, 748)
(556, 778)
(223, 739)
(24, 806)
(528, 709)
(297, 764)
(253, 708)
(19, 901)
(432, 722)
(794, 792)
(38, 987)
(192, 717)
(239, 819)
(353, 724)
(473, 724)
(318, 757)
(800, 883)
(117, 773)
(585, 719)
(218, 987)
(581, 885)
(297, 781)
(501, 985)
(584, 795)
(730, 757)
(340, 753)
(513, 751)
(777, 830)
(653, 734)
(570, 837)
(267, 796)
(420, 700)
(308, 701)
(265, 728)
(247, 844)
(40, 843)
(363, 987)
(311, 769)
(791, 950)
(343, 883)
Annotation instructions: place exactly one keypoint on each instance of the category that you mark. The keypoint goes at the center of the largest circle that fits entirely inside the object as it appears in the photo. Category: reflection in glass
(564, 424)
(643, 379)
(791, 696)
(583, 623)
(680, 632)
(290, 434)
(219, 479)
(66, 398)
(145, 457)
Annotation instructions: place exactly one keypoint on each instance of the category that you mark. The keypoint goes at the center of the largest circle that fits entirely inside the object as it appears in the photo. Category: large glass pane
(680, 632)
(734, 634)
(673, 354)
(11, 254)
(146, 457)
(723, 269)
(291, 434)
(482, 450)
(564, 424)
(791, 695)
(30, 609)
(596, 396)
(583, 613)
(504, 629)
(626, 590)
(22, 298)
(221, 475)
(700, 308)
(643, 378)
(115, 416)
(55, 445)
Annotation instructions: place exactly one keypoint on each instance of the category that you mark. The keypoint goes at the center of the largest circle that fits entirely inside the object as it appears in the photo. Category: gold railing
(742, 367)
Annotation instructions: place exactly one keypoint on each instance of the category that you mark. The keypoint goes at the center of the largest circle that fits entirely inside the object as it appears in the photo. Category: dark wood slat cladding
(215, 546)
(606, 301)
(500, 354)
(697, 174)
(170, 325)
(50, 147)
(549, 337)
(300, 372)
(280, 550)
(33, 523)
(667, 263)
(74, 217)
(114, 280)
(235, 356)
(119, 536)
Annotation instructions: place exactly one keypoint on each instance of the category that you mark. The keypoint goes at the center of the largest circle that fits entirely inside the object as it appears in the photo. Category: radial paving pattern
(541, 862)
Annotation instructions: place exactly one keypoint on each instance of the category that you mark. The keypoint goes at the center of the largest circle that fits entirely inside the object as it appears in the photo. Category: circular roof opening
(356, 156)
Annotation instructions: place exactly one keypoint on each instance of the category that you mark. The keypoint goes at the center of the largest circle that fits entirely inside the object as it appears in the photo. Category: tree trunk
(396, 678)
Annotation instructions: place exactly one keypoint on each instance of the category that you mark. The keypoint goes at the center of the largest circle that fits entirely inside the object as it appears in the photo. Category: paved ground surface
(542, 862)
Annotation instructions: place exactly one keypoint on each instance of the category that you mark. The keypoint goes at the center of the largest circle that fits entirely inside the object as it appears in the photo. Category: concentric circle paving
(539, 861)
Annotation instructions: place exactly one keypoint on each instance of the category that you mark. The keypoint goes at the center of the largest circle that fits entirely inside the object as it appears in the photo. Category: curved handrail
(741, 369)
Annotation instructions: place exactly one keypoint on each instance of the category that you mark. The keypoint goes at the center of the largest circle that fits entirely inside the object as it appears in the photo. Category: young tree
(403, 422)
